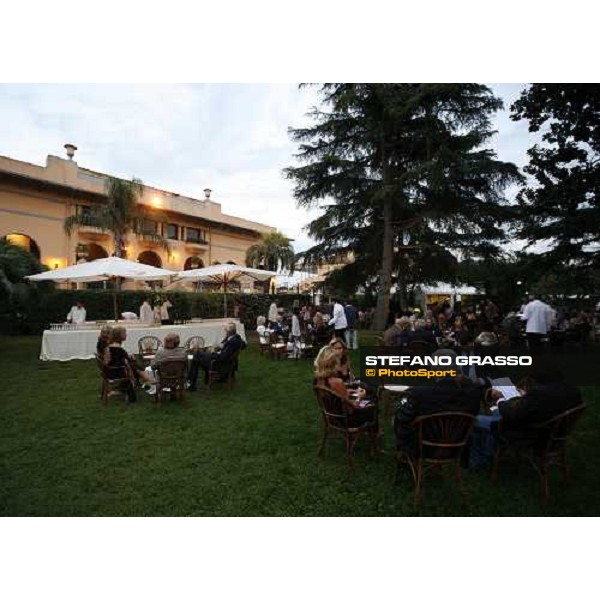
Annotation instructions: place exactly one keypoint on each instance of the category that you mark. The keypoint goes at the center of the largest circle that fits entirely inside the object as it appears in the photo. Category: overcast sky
(184, 138)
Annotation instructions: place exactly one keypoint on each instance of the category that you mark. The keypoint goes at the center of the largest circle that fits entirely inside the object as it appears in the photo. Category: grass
(252, 451)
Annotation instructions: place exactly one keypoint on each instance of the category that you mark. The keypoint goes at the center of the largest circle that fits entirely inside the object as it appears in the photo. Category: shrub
(52, 306)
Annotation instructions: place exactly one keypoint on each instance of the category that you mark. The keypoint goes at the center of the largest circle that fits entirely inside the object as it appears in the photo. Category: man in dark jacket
(545, 396)
(222, 355)
(458, 394)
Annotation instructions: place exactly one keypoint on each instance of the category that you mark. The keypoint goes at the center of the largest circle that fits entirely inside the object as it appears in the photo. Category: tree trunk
(118, 244)
(387, 259)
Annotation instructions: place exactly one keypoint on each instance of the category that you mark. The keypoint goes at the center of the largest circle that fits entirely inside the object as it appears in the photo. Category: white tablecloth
(69, 345)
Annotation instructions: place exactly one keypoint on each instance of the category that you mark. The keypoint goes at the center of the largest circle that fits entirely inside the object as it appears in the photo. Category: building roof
(67, 177)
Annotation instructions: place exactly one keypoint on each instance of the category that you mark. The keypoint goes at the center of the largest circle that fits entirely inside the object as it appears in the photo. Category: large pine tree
(561, 205)
(404, 179)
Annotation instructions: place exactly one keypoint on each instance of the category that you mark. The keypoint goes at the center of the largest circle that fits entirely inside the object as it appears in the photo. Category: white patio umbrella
(105, 269)
(223, 275)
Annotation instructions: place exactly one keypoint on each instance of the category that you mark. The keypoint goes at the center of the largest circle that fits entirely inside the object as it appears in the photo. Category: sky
(231, 138)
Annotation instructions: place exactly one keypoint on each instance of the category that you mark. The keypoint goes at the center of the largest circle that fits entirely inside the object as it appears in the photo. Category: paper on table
(507, 391)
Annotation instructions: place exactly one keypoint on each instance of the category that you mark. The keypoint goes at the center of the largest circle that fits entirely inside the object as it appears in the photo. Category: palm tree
(119, 215)
(273, 252)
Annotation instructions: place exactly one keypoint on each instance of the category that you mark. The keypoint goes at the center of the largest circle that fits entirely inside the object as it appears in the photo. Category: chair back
(419, 348)
(111, 374)
(196, 342)
(172, 373)
(443, 436)
(559, 428)
(331, 406)
(149, 344)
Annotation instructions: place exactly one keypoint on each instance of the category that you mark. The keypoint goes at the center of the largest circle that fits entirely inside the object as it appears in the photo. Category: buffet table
(81, 343)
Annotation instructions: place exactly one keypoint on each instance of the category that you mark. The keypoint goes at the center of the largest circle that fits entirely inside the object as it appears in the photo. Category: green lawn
(252, 451)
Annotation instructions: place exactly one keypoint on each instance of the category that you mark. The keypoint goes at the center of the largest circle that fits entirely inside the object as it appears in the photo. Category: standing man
(352, 320)
(539, 317)
(338, 319)
(146, 312)
(77, 313)
(164, 312)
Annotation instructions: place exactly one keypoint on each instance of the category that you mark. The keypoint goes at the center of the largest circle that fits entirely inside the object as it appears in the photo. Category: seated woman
(103, 341)
(118, 359)
(358, 408)
(345, 367)
(119, 364)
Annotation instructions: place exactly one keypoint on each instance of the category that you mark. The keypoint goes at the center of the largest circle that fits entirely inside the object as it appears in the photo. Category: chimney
(207, 192)
(70, 148)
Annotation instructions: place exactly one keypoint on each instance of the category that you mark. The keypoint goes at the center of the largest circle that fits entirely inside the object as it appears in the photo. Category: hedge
(53, 307)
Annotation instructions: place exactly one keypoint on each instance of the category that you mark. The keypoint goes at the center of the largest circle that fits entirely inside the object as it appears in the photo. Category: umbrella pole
(225, 296)
(115, 305)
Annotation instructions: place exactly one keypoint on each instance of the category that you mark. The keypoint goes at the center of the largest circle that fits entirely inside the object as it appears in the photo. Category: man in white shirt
(164, 312)
(539, 317)
(77, 314)
(338, 319)
(146, 312)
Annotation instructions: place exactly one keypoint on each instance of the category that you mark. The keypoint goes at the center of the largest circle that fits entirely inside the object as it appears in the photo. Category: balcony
(196, 242)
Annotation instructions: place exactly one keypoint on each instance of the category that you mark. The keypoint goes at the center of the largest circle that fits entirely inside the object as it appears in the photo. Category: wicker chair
(148, 347)
(336, 422)
(264, 343)
(171, 378)
(114, 382)
(307, 345)
(442, 438)
(196, 342)
(546, 447)
(224, 372)
(277, 347)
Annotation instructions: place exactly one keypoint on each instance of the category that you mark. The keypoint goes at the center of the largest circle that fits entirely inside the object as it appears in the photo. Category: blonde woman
(359, 410)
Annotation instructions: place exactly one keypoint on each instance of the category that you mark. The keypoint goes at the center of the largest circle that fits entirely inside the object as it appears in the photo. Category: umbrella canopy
(104, 269)
(223, 275)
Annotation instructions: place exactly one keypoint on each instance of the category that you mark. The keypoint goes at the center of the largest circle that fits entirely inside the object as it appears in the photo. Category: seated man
(170, 352)
(458, 394)
(422, 334)
(389, 335)
(221, 356)
(545, 396)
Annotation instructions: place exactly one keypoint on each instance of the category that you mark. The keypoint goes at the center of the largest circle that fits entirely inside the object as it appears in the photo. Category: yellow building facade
(174, 231)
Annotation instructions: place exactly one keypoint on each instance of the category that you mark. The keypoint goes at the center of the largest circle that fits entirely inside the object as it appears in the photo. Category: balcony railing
(198, 241)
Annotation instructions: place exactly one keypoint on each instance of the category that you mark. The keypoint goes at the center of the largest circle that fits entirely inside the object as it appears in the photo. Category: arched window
(193, 262)
(25, 242)
(231, 262)
(148, 257)
(216, 262)
(89, 252)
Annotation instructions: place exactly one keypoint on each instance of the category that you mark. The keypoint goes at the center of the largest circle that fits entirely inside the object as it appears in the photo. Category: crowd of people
(315, 325)
(533, 324)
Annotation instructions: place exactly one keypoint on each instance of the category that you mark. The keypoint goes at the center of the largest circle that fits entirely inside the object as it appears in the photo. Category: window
(194, 235)
(172, 231)
(83, 210)
(150, 227)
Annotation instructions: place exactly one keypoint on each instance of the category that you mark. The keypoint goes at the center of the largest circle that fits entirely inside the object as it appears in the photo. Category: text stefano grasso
(448, 361)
